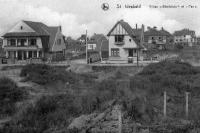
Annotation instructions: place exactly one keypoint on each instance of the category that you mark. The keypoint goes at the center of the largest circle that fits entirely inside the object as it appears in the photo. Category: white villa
(125, 42)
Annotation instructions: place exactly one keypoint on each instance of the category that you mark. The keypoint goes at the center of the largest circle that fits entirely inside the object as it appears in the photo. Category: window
(114, 52)
(59, 41)
(32, 42)
(35, 54)
(21, 27)
(40, 53)
(21, 42)
(12, 42)
(129, 40)
(91, 47)
(119, 38)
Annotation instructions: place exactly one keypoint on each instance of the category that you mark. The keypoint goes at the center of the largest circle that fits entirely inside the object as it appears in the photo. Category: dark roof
(184, 32)
(38, 27)
(137, 32)
(153, 32)
(20, 34)
(164, 32)
(96, 37)
(131, 32)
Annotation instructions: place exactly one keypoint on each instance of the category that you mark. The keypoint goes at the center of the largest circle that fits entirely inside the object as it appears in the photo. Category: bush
(44, 74)
(179, 46)
(10, 93)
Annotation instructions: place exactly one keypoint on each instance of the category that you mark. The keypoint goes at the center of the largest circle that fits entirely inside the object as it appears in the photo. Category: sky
(75, 16)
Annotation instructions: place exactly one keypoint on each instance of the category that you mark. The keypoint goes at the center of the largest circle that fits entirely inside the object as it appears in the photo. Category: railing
(21, 47)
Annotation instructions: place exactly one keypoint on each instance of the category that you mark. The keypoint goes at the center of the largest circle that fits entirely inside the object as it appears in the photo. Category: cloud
(148, 17)
(75, 23)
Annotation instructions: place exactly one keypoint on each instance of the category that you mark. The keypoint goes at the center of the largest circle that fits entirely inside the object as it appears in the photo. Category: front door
(130, 53)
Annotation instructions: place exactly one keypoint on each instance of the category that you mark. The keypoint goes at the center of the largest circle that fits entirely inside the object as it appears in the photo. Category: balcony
(9, 47)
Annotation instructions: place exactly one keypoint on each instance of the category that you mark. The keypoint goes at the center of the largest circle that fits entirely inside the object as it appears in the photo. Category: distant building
(185, 37)
(29, 39)
(125, 42)
(198, 40)
(98, 43)
(82, 38)
(157, 38)
(2, 53)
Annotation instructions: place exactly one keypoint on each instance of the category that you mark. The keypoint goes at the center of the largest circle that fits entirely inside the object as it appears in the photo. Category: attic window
(21, 27)
(129, 40)
(119, 38)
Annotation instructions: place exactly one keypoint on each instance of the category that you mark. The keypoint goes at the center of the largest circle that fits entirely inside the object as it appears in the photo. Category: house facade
(27, 40)
(124, 42)
(185, 37)
(157, 38)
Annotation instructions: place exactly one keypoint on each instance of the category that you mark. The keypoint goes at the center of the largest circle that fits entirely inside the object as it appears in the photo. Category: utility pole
(137, 58)
(101, 50)
(86, 46)
(119, 121)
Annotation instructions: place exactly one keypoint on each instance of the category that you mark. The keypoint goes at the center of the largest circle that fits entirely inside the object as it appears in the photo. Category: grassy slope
(142, 102)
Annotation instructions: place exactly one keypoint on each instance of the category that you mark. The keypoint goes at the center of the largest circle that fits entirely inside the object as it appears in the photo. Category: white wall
(17, 28)
(127, 44)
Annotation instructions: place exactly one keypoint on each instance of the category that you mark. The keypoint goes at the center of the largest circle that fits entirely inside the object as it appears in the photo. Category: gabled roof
(133, 33)
(125, 25)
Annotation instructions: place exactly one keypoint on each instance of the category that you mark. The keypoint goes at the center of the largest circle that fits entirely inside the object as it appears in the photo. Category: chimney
(60, 28)
(143, 28)
(162, 28)
(136, 26)
(148, 27)
(155, 27)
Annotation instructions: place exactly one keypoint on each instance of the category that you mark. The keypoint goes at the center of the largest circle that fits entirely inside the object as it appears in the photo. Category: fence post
(120, 120)
(165, 104)
(186, 104)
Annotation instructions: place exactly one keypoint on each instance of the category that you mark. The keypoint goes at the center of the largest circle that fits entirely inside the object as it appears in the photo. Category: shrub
(10, 93)
(179, 46)
(44, 74)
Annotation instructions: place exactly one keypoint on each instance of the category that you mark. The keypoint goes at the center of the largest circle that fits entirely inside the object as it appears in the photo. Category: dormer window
(21, 27)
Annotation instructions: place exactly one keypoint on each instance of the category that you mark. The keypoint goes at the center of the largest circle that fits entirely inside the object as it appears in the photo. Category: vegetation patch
(10, 93)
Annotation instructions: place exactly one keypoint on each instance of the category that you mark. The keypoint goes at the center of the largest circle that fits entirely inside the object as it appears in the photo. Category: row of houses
(29, 40)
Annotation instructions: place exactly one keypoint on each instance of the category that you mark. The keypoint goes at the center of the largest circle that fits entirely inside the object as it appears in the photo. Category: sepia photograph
(100, 66)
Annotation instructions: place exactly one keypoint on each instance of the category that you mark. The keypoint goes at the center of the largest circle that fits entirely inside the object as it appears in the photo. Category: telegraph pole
(86, 47)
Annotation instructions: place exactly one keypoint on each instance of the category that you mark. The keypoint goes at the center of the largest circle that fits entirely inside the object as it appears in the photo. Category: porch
(24, 54)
